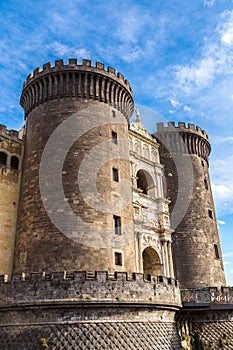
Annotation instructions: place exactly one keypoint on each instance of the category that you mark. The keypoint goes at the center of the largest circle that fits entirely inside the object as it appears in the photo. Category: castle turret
(75, 209)
(197, 257)
(11, 152)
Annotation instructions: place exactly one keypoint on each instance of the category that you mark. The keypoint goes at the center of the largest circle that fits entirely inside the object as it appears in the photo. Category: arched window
(14, 163)
(142, 183)
(146, 183)
(137, 147)
(151, 262)
(3, 158)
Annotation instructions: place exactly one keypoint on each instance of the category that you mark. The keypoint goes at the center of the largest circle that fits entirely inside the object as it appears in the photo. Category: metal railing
(210, 295)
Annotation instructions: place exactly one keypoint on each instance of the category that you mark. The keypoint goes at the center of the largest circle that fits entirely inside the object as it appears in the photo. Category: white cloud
(66, 51)
(221, 222)
(222, 185)
(175, 103)
(222, 139)
(228, 255)
(226, 28)
(215, 58)
(221, 190)
(226, 263)
(209, 3)
(227, 38)
(197, 74)
(187, 109)
(130, 27)
(131, 54)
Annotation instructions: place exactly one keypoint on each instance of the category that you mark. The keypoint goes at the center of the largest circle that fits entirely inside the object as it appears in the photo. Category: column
(170, 259)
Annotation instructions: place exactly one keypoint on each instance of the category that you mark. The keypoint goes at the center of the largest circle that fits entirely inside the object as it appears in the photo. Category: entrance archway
(151, 262)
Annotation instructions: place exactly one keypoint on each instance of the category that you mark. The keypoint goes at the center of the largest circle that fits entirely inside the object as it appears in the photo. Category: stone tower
(11, 152)
(73, 114)
(197, 255)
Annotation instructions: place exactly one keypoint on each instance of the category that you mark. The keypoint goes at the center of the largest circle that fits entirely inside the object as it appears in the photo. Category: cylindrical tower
(11, 152)
(197, 254)
(72, 212)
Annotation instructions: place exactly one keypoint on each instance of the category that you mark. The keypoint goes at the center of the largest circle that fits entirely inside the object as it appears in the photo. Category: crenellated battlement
(208, 295)
(83, 286)
(104, 276)
(182, 127)
(9, 133)
(77, 81)
(73, 63)
(184, 138)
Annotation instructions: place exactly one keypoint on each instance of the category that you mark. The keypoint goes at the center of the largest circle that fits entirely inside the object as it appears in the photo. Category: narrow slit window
(206, 184)
(118, 259)
(115, 174)
(210, 213)
(114, 137)
(216, 251)
(117, 224)
(113, 114)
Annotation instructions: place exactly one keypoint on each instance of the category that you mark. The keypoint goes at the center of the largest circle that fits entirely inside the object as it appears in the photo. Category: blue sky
(177, 55)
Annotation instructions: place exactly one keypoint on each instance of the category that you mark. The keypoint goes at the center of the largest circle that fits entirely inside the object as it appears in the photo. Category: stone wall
(84, 310)
(85, 287)
(206, 327)
(10, 176)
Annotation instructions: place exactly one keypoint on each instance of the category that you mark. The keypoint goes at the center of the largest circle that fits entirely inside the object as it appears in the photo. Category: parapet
(183, 139)
(182, 127)
(86, 286)
(86, 65)
(208, 295)
(9, 133)
(77, 80)
(86, 276)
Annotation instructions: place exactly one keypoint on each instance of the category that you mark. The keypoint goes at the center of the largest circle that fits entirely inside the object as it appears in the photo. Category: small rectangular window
(216, 251)
(118, 259)
(115, 174)
(113, 113)
(210, 214)
(206, 184)
(117, 224)
(114, 137)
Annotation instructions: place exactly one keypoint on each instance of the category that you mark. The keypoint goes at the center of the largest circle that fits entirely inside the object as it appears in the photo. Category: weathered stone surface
(92, 336)
(184, 151)
(40, 244)
(79, 308)
(11, 145)
(80, 288)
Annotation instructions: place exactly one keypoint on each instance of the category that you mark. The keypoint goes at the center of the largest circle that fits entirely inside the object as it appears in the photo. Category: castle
(104, 224)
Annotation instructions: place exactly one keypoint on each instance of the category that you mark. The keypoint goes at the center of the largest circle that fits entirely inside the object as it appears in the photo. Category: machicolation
(91, 254)
(184, 138)
(77, 81)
